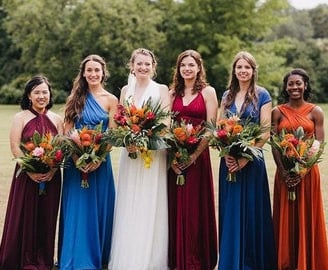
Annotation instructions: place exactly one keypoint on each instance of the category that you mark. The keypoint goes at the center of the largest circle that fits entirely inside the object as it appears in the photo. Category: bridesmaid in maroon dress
(30, 224)
(192, 223)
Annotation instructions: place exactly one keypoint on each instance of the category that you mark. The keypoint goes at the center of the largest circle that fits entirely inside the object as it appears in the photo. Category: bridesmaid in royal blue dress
(86, 216)
(29, 231)
(246, 239)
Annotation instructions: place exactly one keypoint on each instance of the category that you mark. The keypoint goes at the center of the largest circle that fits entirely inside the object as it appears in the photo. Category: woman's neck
(296, 103)
(189, 86)
(95, 88)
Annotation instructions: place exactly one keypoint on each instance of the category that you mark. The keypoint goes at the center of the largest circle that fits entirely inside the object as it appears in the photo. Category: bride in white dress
(140, 234)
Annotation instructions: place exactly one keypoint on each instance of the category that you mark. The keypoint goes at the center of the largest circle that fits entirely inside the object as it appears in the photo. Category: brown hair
(76, 100)
(178, 82)
(233, 85)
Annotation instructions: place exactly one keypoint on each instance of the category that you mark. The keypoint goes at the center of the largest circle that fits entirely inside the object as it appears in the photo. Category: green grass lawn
(7, 164)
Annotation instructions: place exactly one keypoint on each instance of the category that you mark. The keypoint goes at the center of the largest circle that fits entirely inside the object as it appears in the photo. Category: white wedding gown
(140, 233)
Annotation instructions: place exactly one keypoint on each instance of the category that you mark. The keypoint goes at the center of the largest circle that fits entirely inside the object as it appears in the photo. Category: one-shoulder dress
(86, 214)
(30, 225)
(299, 225)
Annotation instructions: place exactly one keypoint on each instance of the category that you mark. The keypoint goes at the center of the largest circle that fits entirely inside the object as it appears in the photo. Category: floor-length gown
(192, 222)
(86, 216)
(246, 238)
(141, 224)
(300, 225)
(30, 225)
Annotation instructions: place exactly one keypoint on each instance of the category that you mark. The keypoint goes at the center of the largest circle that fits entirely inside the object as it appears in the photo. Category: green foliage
(52, 37)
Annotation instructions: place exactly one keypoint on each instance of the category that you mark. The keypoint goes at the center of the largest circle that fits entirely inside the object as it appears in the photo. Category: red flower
(59, 155)
(222, 134)
(150, 116)
(192, 140)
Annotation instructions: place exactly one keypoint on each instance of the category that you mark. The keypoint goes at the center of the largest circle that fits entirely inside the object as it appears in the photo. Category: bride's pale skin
(143, 69)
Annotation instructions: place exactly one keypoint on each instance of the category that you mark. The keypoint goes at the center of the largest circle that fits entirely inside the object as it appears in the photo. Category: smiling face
(40, 97)
(188, 68)
(93, 73)
(295, 86)
(243, 70)
(142, 66)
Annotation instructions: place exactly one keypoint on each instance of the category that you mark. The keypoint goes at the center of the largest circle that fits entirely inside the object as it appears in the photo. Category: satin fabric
(30, 225)
(246, 238)
(140, 236)
(86, 216)
(192, 222)
(300, 225)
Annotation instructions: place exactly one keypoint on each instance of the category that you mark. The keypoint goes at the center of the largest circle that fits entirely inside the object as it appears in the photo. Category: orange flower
(29, 146)
(237, 129)
(134, 119)
(135, 128)
(180, 134)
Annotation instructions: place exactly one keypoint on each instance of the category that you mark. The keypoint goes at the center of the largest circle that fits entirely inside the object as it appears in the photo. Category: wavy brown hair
(233, 85)
(178, 84)
(76, 100)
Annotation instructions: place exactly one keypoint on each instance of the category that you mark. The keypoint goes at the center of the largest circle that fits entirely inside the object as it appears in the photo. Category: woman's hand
(192, 160)
(234, 164)
(91, 166)
(292, 179)
(131, 148)
(42, 177)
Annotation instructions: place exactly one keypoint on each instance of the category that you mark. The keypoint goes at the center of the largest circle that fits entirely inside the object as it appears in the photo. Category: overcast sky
(301, 4)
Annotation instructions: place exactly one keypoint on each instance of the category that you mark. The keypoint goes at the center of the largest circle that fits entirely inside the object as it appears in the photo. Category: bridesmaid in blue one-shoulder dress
(86, 216)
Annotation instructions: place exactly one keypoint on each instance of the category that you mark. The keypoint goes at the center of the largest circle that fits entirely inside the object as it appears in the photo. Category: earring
(30, 103)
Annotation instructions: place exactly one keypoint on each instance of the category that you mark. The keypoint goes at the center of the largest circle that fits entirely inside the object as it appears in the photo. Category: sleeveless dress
(192, 222)
(30, 225)
(86, 215)
(300, 225)
(140, 225)
(246, 238)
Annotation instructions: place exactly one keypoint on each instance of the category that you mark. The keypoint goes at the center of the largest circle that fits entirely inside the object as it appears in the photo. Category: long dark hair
(306, 79)
(30, 85)
(76, 100)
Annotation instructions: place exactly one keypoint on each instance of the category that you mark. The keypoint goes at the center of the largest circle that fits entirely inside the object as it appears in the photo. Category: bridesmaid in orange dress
(299, 225)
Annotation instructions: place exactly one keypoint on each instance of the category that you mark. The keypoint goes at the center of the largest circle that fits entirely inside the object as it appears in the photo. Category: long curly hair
(178, 84)
(76, 100)
(25, 102)
(306, 79)
(233, 85)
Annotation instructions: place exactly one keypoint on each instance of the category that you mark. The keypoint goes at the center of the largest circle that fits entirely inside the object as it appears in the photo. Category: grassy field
(7, 164)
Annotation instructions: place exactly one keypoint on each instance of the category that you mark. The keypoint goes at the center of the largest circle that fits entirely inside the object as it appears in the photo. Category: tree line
(52, 37)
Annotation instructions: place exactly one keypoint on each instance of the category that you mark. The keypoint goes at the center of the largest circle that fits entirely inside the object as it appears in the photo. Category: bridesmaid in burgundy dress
(192, 223)
(30, 224)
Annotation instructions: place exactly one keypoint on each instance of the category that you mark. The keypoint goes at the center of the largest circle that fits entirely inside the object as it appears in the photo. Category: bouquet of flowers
(88, 145)
(184, 140)
(139, 127)
(298, 153)
(41, 154)
(237, 138)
